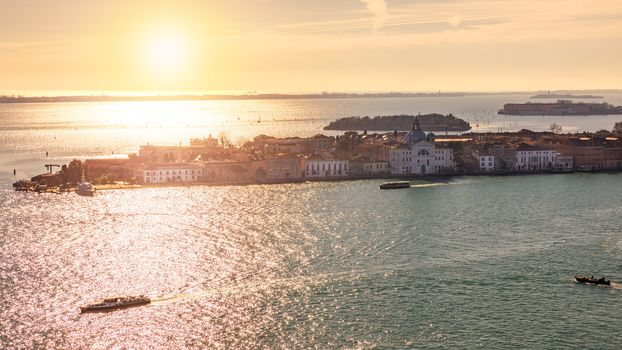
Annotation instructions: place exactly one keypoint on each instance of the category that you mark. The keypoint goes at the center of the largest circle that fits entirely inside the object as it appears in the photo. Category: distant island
(249, 96)
(561, 107)
(566, 96)
(429, 122)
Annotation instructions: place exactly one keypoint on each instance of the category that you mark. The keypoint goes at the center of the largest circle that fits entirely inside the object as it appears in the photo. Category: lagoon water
(465, 262)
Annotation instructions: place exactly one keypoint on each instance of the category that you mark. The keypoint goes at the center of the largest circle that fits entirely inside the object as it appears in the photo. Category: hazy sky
(309, 46)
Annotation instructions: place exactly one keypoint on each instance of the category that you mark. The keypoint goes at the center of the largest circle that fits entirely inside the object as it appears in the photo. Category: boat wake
(430, 185)
(616, 285)
(613, 244)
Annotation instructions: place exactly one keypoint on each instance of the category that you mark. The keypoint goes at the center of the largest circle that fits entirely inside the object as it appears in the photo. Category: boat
(115, 303)
(397, 184)
(600, 281)
(85, 188)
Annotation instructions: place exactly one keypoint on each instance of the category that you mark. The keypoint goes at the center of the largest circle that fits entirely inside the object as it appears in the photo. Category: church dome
(415, 135)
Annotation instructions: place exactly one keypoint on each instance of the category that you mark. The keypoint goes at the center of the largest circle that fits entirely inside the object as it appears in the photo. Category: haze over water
(109, 129)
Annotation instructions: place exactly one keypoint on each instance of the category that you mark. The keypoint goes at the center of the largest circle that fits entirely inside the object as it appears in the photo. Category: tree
(617, 127)
(556, 128)
(74, 172)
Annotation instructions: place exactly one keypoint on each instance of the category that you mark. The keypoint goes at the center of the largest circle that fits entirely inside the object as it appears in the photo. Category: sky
(292, 46)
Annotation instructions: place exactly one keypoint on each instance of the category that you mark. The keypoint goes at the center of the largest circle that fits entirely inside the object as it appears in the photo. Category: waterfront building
(417, 154)
(613, 155)
(96, 168)
(321, 166)
(486, 162)
(171, 172)
(292, 146)
(532, 158)
(321, 142)
(170, 154)
(282, 167)
(444, 162)
(372, 150)
(564, 163)
(361, 166)
(505, 157)
(227, 171)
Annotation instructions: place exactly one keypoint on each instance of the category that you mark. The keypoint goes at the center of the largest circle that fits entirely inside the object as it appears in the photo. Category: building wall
(444, 160)
(163, 174)
(374, 151)
(423, 161)
(400, 160)
(486, 163)
(535, 160)
(376, 168)
(613, 158)
(230, 172)
(589, 157)
(323, 168)
(279, 169)
(172, 154)
(564, 163)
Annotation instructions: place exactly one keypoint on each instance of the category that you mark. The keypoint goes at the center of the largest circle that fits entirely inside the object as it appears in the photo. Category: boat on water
(599, 281)
(393, 185)
(115, 303)
(85, 188)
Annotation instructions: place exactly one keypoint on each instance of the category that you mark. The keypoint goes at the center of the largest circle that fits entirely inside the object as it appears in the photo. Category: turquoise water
(470, 262)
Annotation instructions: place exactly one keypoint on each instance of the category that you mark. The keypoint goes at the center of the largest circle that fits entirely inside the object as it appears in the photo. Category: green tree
(74, 172)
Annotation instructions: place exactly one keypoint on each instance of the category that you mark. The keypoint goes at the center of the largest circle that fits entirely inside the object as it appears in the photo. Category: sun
(167, 53)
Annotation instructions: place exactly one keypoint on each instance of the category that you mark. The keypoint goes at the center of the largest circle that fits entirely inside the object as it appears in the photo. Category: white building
(486, 162)
(322, 166)
(418, 155)
(534, 158)
(172, 172)
(444, 160)
(375, 168)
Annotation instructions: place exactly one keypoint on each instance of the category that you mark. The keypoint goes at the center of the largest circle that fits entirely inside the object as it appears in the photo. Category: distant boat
(85, 188)
(393, 185)
(115, 303)
(584, 279)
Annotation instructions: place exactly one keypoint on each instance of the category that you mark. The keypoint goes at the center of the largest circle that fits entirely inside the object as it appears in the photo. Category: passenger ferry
(115, 303)
(397, 184)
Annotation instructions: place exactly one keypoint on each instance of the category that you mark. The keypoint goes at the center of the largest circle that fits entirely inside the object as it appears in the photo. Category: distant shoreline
(116, 98)
(103, 97)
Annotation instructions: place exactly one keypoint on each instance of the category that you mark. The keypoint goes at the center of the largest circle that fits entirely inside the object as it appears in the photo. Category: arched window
(423, 152)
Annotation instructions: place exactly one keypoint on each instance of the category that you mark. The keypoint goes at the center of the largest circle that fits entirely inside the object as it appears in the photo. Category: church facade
(419, 155)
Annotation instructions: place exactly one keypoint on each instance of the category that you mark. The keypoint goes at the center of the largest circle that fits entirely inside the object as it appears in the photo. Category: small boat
(85, 188)
(397, 184)
(115, 303)
(601, 281)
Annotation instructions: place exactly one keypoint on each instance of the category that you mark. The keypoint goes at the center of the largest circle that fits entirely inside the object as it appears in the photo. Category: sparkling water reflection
(479, 262)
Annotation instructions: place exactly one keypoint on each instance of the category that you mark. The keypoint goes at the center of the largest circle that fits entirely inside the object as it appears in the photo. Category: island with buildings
(353, 155)
(403, 122)
(561, 107)
(565, 96)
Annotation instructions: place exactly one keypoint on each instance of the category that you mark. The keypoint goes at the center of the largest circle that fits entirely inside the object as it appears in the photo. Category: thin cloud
(380, 11)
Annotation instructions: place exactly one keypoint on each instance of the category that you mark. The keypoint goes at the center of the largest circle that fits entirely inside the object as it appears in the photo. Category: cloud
(380, 11)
